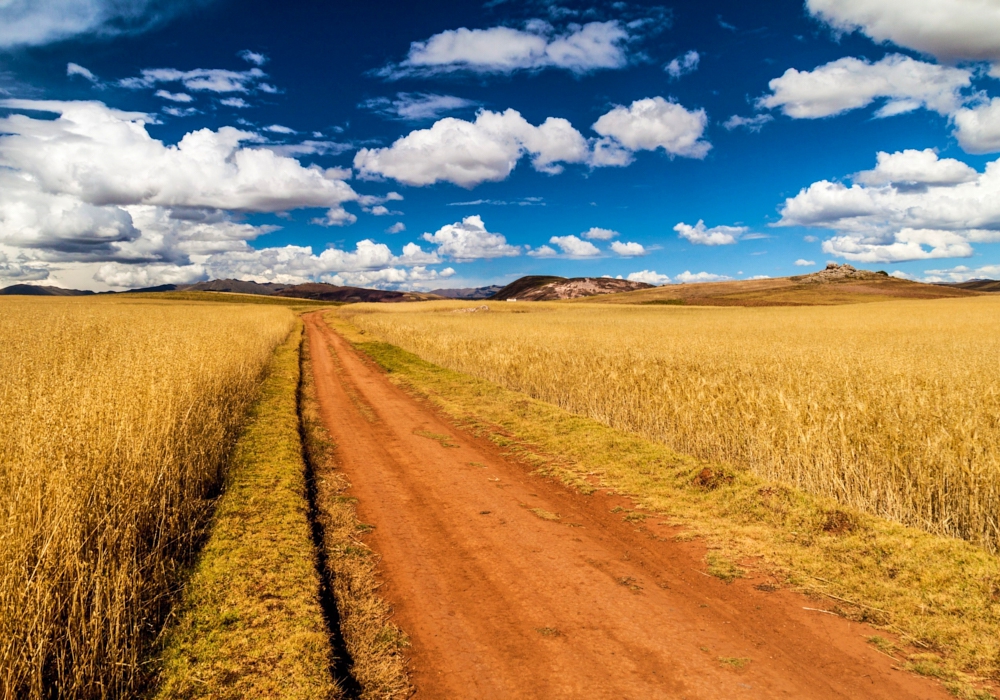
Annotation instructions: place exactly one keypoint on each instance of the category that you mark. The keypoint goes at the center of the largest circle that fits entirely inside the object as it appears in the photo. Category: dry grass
(116, 419)
(251, 622)
(373, 641)
(891, 408)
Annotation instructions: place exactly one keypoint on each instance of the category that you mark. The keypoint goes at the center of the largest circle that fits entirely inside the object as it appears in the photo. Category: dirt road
(500, 601)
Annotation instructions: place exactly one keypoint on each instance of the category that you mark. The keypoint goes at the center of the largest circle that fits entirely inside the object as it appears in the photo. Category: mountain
(975, 285)
(331, 292)
(235, 286)
(538, 288)
(37, 290)
(837, 284)
(468, 292)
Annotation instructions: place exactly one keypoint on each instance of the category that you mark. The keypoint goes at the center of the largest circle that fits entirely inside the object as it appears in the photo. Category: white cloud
(469, 153)
(951, 31)
(581, 49)
(599, 234)
(851, 83)
(805, 263)
(649, 277)
(939, 211)
(174, 96)
(181, 111)
(978, 128)
(309, 148)
(717, 235)
(397, 227)
(469, 240)
(961, 273)
(21, 269)
(573, 247)
(688, 277)
(628, 250)
(417, 106)
(216, 80)
(543, 251)
(258, 59)
(279, 129)
(137, 276)
(237, 102)
(654, 123)
(682, 65)
(76, 69)
(754, 123)
(38, 22)
(104, 156)
(912, 167)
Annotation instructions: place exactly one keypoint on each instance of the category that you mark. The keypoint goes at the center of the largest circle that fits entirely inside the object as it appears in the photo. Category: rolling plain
(768, 490)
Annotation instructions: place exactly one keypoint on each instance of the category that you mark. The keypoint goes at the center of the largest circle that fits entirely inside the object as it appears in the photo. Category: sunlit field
(116, 418)
(893, 408)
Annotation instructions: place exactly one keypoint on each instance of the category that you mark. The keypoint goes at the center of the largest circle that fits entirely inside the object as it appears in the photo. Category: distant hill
(538, 288)
(38, 290)
(837, 284)
(975, 285)
(468, 292)
(331, 292)
(235, 286)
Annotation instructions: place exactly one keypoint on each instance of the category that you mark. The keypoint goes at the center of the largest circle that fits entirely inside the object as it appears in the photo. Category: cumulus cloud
(573, 247)
(599, 234)
(801, 262)
(579, 49)
(912, 206)
(649, 277)
(543, 251)
(38, 22)
(628, 250)
(961, 273)
(103, 156)
(237, 102)
(851, 83)
(754, 123)
(717, 235)
(21, 269)
(954, 31)
(397, 227)
(138, 276)
(682, 65)
(653, 123)
(417, 106)
(978, 128)
(469, 153)
(688, 277)
(468, 239)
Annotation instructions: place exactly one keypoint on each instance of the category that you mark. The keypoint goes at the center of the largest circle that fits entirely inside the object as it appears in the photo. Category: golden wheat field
(893, 408)
(116, 417)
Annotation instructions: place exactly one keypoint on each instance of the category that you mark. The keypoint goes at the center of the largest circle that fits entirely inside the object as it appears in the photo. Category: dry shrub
(116, 418)
(892, 408)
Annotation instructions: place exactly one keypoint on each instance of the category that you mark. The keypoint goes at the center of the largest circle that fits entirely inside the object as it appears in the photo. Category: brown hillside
(837, 284)
(331, 292)
(554, 289)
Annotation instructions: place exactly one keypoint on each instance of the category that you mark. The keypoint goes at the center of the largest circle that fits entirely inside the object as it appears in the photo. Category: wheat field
(892, 408)
(116, 417)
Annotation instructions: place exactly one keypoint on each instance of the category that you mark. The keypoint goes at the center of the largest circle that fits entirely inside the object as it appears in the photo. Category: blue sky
(458, 144)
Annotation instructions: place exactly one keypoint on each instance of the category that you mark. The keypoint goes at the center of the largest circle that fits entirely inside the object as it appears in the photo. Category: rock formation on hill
(554, 288)
(838, 273)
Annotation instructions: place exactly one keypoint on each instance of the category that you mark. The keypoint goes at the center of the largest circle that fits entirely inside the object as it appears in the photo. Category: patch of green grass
(445, 440)
(250, 623)
(544, 514)
(935, 593)
(664, 302)
(734, 662)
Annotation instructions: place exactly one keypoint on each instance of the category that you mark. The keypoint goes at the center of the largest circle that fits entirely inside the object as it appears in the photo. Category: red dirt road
(500, 602)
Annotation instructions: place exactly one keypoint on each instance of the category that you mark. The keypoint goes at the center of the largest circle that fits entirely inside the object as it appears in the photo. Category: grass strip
(940, 597)
(250, 623)
(374, 643)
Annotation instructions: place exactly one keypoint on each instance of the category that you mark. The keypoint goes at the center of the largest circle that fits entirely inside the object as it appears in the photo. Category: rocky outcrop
(838, 273)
